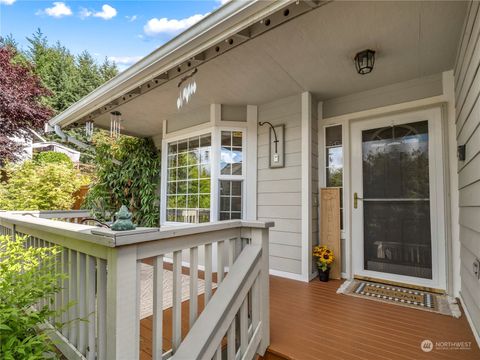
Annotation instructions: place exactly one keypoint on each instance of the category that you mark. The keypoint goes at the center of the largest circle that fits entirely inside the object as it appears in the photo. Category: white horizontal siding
(467, 91)
(279, 190)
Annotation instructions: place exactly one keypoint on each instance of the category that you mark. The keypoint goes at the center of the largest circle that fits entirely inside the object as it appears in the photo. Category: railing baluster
(255, 303)
(193, 285)
(101, 309)
(177, 300)
(244, 326)
(208, 273)
(91, 307)
(231, 252)
(157, 351)
(231, 345)
(73, 316)
(220, 262)
(218, 353)
(65, 292)
(58, 295)
(82, 338)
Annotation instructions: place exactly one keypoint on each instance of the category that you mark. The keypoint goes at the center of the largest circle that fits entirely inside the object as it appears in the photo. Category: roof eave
(222, 23)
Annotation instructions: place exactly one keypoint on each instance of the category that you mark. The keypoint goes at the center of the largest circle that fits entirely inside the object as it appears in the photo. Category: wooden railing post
(123, 320)
(260, 238)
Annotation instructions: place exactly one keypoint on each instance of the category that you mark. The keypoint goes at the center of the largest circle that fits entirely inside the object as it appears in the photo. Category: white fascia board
(220, 24)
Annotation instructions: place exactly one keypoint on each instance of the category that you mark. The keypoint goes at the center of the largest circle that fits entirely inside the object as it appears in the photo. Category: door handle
(355, 200)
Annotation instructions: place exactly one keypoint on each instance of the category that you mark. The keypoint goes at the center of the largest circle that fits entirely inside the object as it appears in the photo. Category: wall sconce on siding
(461, 152)
(276, 145)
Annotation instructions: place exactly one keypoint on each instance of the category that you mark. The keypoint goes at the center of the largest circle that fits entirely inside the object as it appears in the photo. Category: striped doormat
(417, 299)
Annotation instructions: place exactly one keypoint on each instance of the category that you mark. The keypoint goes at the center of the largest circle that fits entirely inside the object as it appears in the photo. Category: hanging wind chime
(186, 90)
(115, 124)
(89, 130)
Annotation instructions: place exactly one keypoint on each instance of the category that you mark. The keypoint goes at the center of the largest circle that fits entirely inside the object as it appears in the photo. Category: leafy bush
(49, 157)
(26, 276)
(127, 173)
(39, 186)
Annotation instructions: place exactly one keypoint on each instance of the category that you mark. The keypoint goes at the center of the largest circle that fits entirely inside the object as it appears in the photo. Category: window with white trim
(334, 161)
(231, 175)
(189, 177)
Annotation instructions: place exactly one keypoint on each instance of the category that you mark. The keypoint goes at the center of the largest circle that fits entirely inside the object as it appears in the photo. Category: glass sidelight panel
(396, 208)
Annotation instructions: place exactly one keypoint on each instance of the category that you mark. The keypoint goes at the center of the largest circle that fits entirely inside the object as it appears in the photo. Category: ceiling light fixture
(364, 61)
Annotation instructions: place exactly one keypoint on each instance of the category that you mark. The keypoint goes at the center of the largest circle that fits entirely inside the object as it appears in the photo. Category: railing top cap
(111, 238)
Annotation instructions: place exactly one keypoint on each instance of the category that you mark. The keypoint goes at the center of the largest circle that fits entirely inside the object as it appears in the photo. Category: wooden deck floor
(310, 321)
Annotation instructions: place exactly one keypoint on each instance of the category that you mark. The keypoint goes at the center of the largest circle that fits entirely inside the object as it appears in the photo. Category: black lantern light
(364, 61)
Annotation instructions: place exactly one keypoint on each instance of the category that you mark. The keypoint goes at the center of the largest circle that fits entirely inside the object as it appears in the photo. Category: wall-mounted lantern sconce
(461, 152)
(276, 145)
(364, 61)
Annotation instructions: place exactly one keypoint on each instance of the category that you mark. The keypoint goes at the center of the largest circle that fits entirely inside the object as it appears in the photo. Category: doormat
(416, 299)
(146, 289)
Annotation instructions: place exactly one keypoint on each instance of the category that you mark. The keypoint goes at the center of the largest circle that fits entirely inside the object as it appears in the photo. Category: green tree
(127, 174)
(41, 185)
(26, 276)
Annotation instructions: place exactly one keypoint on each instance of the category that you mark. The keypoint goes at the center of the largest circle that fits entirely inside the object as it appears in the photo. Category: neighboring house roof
(221, 24)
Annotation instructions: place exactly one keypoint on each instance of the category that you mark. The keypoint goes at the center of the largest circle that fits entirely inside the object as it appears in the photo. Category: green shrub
(127, 173)
(26, 276)
(36, 185)
(51, 157)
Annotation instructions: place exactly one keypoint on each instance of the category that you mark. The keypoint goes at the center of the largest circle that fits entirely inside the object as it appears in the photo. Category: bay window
(195, 166)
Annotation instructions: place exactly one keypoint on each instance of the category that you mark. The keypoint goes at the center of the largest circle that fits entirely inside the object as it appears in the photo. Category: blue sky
(123, 31)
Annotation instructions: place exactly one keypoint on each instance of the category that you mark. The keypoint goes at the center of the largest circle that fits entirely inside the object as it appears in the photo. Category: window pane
(236, 204)
(333, 135)
(171, 215)
(204, 202)
(225, 187)
(184, 188)
(236, 188)
(237, 138)
(230, 200)
(334, 161)
(182, 146)
(226, 138)
(193, 143)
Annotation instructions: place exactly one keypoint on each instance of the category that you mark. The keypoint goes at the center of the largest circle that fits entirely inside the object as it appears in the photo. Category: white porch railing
(103, 269)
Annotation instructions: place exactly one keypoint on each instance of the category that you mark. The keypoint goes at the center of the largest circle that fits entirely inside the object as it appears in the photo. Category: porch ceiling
(314, 53)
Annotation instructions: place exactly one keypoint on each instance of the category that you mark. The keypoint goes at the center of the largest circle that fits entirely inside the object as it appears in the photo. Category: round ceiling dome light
(364, 61)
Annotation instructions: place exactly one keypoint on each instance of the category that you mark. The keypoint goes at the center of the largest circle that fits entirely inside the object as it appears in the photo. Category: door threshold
(396, 283)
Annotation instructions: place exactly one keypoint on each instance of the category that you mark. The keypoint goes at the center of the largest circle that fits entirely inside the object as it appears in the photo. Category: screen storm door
(395, 198)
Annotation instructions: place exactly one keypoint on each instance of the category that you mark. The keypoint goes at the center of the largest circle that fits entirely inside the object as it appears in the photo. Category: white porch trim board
(306, 126)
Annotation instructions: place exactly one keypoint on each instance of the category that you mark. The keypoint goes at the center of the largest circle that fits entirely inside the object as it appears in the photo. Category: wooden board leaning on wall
(330, 226)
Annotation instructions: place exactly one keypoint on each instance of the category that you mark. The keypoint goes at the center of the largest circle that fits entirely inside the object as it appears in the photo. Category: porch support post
(123, 322)
(260, 238)
(306, 126)
(251, 171)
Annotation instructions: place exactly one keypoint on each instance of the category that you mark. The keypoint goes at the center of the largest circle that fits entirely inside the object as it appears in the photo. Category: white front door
(397, 189)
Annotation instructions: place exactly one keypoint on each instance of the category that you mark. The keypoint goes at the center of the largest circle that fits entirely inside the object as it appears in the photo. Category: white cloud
(7, 2)
(107, 12)
(124, 60)
(58, 10)
(170, 26)
(131, 18)
(223, 2)
(84, 13)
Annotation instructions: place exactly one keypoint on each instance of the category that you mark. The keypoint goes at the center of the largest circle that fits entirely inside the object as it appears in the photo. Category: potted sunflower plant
(325, 258)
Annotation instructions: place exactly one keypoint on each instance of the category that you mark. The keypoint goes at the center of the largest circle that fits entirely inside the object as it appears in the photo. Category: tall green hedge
(127, 173)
